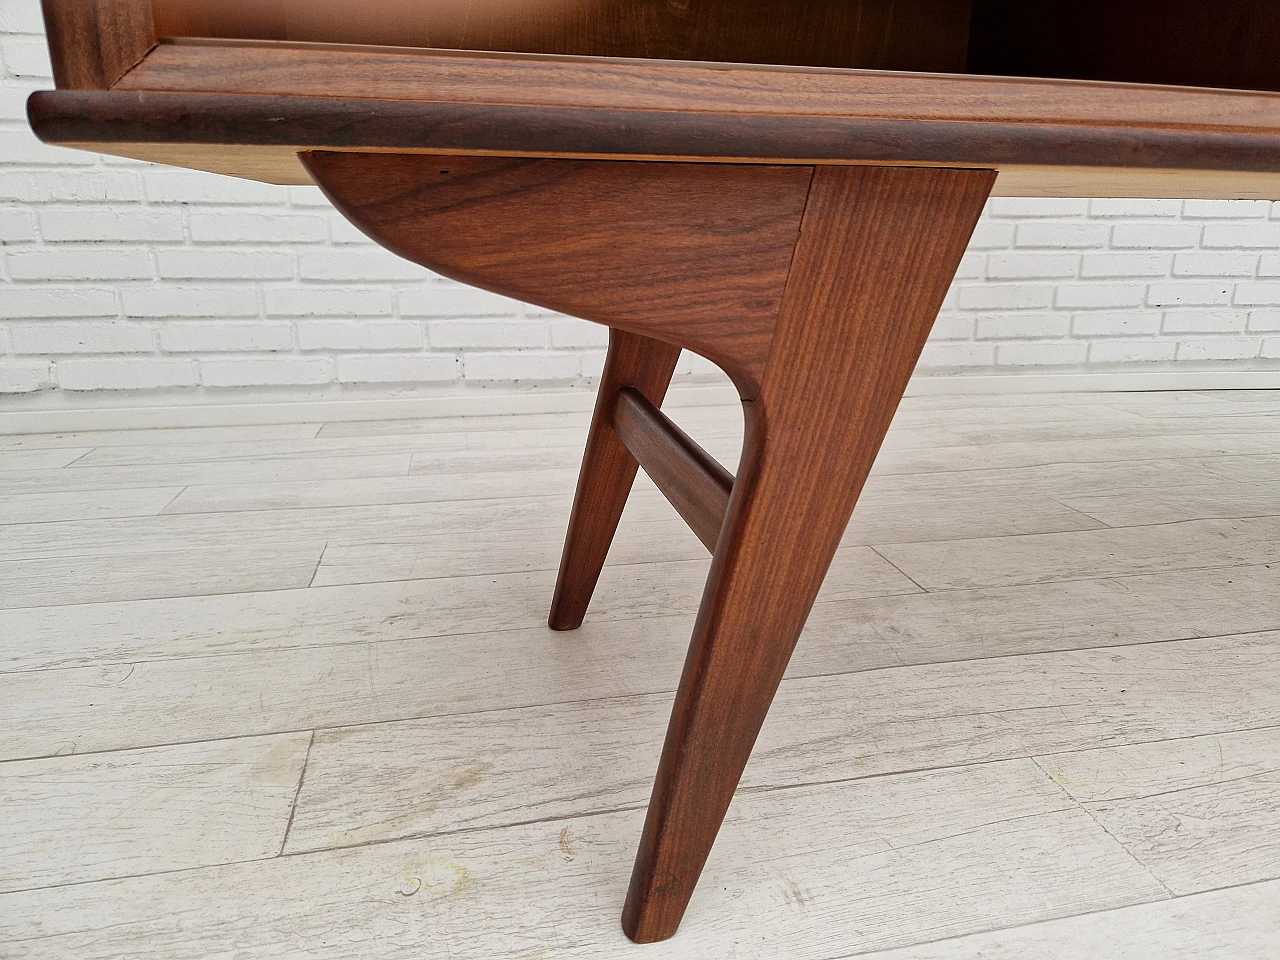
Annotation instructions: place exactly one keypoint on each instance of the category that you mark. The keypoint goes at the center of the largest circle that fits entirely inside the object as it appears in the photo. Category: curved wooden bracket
(814, 287)
(688, 253)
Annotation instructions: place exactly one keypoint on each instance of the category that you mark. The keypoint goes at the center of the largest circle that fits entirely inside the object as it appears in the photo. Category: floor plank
(70, 820)
(225, 695)
(461, 537)
(146, 575)
(993, 412)
(1055, 479)
(1131, 426)
(491, 769)
(1044, 557)
(823, 727)
(1096, 450)
(266, 470)
(1223, 925)
(913, 628)
(478, 424)
(562, 441)
(856, 571)
(159, 436)
(1201, 812)
(41, 459)
(1166, 404)
(552, 889)
(1244, 469)
(1243, 396)
(1161, 403)
(85, 505)
(520, 436)
(82, 538)
(877, 519)
(1220, 500)
(375, 491)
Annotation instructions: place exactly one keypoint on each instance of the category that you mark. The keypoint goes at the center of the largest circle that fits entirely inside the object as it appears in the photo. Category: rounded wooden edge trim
(106, 117)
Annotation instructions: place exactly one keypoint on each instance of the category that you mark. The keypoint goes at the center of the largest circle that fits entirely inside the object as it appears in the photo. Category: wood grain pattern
(608, 472)
(876, 255)
(695, 255)
(876, 34)
(93, 43)
(694, 481)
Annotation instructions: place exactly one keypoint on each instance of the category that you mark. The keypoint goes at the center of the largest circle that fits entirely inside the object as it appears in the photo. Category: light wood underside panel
(280, 165)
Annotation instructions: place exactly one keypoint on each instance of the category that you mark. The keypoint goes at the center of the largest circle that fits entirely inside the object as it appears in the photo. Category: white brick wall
(116, 275)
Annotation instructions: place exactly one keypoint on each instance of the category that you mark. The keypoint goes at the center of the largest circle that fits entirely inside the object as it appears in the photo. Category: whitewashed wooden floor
(286, 691)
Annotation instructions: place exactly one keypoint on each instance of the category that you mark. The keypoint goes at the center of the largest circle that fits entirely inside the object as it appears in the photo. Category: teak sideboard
(785, 187)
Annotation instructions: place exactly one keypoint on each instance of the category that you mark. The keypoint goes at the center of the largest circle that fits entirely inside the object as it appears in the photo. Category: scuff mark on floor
(438, 876)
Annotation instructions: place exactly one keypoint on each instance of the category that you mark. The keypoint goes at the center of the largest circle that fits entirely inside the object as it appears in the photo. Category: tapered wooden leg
(608, 471)
(877, 250)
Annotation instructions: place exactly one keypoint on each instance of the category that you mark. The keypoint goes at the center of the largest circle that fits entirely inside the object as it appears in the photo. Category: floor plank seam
(1226, 886)
(1089, 516)
(164, 511)
(129, 876)
(79, 458)
(1146, 868)
(297, 793)
(873, 549)
(319, 563)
